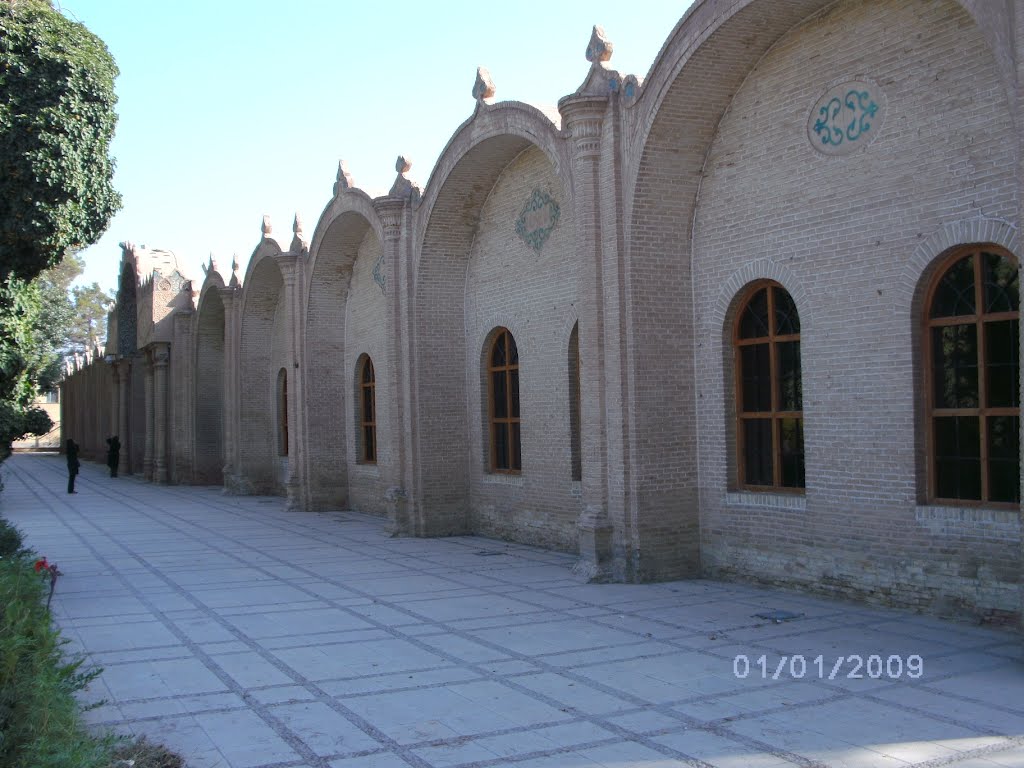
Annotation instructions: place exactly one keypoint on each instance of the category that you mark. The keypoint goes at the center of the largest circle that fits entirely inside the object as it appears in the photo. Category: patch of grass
(40, 719)
(142, 753)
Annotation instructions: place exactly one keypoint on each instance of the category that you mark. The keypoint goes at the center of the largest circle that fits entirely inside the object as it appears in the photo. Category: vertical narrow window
(282, 412)
(769, 391)
(503, 391)
(574, 403)
(972, 380)
(367, 412)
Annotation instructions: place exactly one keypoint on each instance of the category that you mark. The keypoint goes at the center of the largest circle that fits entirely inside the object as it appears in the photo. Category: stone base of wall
(905, 583)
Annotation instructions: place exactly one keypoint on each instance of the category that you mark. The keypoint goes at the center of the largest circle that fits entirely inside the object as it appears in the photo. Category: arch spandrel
(267, 249)
(709, 54)
(342, 206)
(213, 281)
(475, 156)
(340, 231)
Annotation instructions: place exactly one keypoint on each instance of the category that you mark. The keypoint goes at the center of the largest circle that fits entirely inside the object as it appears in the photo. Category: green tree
(56, 122)
(34, 322)
(89, 320)
(56, 193)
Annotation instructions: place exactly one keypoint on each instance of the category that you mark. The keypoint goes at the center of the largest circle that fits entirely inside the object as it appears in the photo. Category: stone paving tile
(247, 636)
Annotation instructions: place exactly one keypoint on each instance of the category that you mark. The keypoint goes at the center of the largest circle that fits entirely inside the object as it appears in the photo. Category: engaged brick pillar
(392, 212)
(147, 383)
(229, 296)
(293, 480)
(124, 368)
(583, 117)
(115, 394)
(161, 356)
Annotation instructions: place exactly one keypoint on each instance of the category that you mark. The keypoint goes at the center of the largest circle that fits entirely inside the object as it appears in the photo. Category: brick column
(115, 399)
(161, 356)
(1018, 106)
(147, 383)
(124, 368)
(288, 262)
(392, 212)
(229, 296)
(583, 117)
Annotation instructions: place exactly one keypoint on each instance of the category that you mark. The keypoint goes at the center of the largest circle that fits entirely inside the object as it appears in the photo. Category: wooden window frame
(978, 319)
(367, 389)
(502, 335)
(776, 416)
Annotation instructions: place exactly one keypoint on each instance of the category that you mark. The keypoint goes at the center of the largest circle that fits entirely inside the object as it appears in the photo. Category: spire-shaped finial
(299, 242)
(483, 88)
(343, 180)
(600, 47)
(403, 187)
(266, 228)
(234, 281)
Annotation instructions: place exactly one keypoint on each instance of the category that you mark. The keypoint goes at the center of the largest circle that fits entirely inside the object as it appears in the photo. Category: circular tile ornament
(846, 118)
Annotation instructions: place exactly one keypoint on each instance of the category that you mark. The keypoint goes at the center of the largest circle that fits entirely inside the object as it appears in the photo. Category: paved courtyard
(246, 636)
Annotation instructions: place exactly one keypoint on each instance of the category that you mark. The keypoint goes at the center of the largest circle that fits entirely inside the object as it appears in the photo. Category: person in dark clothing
(113, 454)
(71, 449)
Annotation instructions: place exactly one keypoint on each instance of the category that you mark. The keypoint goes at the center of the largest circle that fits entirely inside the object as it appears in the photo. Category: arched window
(367, 412)
(503, 391)
(971, 378)
(574, 403)
(769, 392)
(282, 412)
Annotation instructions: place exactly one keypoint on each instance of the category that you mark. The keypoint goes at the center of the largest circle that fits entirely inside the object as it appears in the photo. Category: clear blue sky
(230, 110)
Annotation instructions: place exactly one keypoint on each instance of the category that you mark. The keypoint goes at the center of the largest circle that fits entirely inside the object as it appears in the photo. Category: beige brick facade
(841, 150)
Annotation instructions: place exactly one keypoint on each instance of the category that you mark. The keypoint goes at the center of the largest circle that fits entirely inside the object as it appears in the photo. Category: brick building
(754, 315)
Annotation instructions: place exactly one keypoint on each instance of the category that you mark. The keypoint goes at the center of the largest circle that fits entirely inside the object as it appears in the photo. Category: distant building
(50, 402)
(754, 316)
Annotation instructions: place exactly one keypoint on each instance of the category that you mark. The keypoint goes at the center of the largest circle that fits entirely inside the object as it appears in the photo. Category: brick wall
(365, 334)
(260, 357)
(509, 284)
(841, 233)
(209, 390)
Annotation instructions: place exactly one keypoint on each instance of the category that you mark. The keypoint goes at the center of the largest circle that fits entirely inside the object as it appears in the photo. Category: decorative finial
(483, 88)
(403, 187)
(343, 180)
(210, 266)
(299, 243)
(234, 281)
(600, 47)
(266, 228)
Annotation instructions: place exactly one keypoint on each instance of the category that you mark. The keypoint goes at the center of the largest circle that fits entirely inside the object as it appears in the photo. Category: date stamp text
(852, 667)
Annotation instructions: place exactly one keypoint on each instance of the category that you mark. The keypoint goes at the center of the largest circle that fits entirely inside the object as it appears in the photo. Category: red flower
(41, 564)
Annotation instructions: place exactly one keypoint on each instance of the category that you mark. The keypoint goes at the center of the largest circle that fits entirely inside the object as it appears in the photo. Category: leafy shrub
(10, 540)
(40, 718)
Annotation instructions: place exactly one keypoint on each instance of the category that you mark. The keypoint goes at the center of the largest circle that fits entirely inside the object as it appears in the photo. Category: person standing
(71, 448)
(113, 454)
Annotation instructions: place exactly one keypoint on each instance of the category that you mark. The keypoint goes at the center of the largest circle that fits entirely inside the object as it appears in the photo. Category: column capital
(159, 354)
(390, 210)
(288, 263)
(583, 117)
